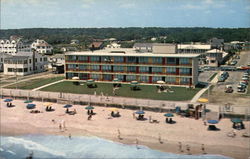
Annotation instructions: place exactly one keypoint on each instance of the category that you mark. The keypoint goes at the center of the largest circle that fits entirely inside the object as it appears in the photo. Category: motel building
(128, 64)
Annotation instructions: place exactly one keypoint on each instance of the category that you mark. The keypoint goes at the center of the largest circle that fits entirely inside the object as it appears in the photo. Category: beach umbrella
(116, 80)
(75, 78)
(140, 112)
(89, 107)
(160, 82)
(236, 120)
(67, 106)
(169, 115)
(47, 104)
(90, 81)
(212, 121)
(28, 101)
(30, 106)
(134, 82)
(8, 100)
(114, 109)
(203, 100)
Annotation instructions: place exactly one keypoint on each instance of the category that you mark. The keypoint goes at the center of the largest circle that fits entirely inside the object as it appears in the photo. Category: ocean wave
(82, 147)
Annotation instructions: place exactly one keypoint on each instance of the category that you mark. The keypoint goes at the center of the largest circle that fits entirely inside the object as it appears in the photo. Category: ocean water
(45, 146)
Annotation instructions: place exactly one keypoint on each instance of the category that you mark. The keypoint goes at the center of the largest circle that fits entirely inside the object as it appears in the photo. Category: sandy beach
(18, 121)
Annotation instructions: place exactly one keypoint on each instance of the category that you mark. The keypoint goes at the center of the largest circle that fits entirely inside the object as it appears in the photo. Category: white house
(114, 45)
(25, 63)
(42, 47)
(215, 57)
(10, 46)
(193, 48)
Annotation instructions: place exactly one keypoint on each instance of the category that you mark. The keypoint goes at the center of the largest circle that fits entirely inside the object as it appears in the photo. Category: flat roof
(194, 46)
(129, 52)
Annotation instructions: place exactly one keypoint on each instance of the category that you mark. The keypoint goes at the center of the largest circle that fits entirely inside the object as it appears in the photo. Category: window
(106, 68)
(118, 59)
(156, 78)
(41, 59)
(107, 77)
(184, 80)
(25, 62)
(143, 59)
(106, 59)
(171, 70)
(157, 69)
(29, 60)
(95, 76)
(83, 67)
(95, 67)
(45, 59)
(184, 61)
(171, 60)
(25, 70)
(35, 59)
(120, 77)
(94, 58)
(185, 71)
(144, 78)
(131, 69)
(19, 70)
(118, 68)
(143, 69)
(130, 78)
(131, 59)
(170, 80)
(82, 58)
(10, 70)
(157, 60)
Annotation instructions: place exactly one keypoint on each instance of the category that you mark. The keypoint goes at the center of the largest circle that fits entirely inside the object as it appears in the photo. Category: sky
(17, 14)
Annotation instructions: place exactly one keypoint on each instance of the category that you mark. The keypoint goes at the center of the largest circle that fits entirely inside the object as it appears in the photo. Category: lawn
(34, 83)
(147, 91)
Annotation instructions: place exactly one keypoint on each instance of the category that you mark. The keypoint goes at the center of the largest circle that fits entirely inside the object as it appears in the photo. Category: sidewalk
(35, 89)
(198, 95)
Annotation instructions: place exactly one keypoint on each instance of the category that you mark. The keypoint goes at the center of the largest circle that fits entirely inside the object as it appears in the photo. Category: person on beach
(133, 115)
(119, 134)
(159, 138)
(180, 146)
(136, 143)
(188, 149)
(203, 149)
(90, 116)
(60, 127)
(70, 136)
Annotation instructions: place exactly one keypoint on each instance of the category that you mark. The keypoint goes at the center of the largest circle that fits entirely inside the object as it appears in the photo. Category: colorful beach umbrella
(90, 81)
(140, 112)
(134, 82)
(47, 104)
(169, 115)
(89, 107)
(75, 78)
(213, 121)
(28, 101)
(8, 100)
(114, 109)
(236, 120)
(116, 80)
(67, 106)
(203, 100)
(30, 106)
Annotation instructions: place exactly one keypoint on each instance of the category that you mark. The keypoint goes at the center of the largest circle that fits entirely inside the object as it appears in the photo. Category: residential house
(25, 63)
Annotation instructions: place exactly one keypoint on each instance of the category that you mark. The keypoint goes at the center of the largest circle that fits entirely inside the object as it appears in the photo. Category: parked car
(221, 79)
(229, 89)
(241, 86)
(225, 74)
(245, 82)
(245, 78)
(233, 63)
(241, 90)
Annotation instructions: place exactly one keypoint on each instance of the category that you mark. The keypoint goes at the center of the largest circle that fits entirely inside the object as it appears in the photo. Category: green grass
(147, 91)
(34, 83)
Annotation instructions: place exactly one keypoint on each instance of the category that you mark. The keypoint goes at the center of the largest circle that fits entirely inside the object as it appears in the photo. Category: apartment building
(130, 65)
(42, 47)
(25, 63)
(10, 46)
